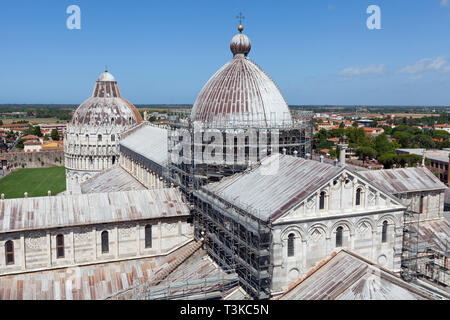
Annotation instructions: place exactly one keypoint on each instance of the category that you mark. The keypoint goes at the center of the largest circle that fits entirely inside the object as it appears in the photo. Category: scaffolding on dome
(241, 241)
(191, 171)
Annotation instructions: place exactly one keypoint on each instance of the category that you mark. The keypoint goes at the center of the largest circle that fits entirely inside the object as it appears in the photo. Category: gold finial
(240, 17)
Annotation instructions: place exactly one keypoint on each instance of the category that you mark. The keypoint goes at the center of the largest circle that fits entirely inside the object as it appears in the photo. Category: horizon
(328, 56)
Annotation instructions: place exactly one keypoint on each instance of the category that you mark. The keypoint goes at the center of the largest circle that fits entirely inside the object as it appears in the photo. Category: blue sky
(317, 51)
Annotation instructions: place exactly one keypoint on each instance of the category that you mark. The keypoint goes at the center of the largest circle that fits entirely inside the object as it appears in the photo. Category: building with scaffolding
(273, 227)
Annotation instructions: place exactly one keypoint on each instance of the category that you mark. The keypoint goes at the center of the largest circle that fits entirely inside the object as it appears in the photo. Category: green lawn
(36, 182)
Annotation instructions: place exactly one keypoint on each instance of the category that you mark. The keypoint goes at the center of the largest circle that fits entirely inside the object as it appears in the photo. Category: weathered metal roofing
(150, 142)
(114, 179)
(197, 276)
(106, 107)
(236, 293)
(346, 276)
(434, 233)
(269, 195)
(403, 180)
(241, 93)
(69, 210)
(93, 282)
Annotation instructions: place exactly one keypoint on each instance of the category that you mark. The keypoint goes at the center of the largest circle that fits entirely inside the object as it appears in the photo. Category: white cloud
(358, 71)
(429, 64)
(444, 3)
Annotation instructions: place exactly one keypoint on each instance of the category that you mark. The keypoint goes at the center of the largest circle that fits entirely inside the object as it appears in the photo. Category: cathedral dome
(241, 93)
(106, 107)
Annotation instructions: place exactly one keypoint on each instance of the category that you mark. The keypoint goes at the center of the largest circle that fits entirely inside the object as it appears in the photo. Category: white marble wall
(148, 178)
(315, 230)
(36, 250)
(433, 203)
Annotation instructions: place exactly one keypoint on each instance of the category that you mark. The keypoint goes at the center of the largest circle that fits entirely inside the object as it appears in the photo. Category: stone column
(49, 250)
(374, 242)
(22, 244)
(328, 245)
(94, 236)
(304, 253)
(352, 241)
(160, 236)
(72, 239)
(138, 240)
(116, 231)
(317, 201)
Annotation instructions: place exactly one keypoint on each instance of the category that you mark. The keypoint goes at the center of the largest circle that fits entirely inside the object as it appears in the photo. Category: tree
(404, 138)
(37, 131)
(366, 152)
(1, 122)
(387, 160)
(382, 144)
(55, 135)
(342, 125)
(19, 144)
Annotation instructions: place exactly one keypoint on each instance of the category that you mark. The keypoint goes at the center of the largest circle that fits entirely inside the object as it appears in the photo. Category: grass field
(36, 182)
(38, 120)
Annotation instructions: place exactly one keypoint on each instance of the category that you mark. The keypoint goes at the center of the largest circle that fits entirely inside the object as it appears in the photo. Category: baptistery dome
(241, 93)
(93, 135)
(106, 107)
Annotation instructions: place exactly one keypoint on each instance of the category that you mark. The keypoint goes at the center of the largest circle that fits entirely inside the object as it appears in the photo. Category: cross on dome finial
(240, 17)
(106, 68)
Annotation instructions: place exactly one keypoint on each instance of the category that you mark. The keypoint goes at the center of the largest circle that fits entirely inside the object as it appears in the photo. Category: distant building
(32, 146)
(364, 123)
(445, 127)
(16, 127)
(47, 129)
(373, 132)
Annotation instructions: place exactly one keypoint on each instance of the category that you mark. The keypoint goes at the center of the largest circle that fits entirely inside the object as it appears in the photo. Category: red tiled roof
(30, 137)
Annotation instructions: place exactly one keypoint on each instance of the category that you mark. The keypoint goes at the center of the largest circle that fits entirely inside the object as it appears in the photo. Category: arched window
(290, 247)
(99, 137)
(339, 231)
(9, 252)
(105, 242)
(148, 236)
(59, 246)
(358, 196)
(322, 201)
(113, 159)
(113, 137)
(384, 232)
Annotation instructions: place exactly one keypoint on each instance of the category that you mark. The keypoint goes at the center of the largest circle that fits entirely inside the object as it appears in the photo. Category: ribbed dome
(106, 107)
(241, 93)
